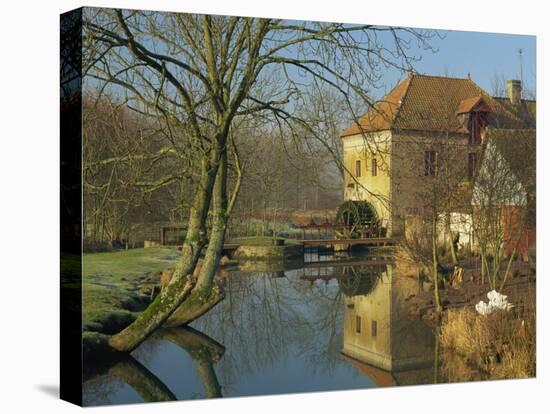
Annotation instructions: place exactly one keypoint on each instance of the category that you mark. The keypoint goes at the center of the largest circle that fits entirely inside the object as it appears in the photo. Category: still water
(327, 324)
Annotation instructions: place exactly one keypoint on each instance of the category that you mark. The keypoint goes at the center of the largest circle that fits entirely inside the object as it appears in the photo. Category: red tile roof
(470, 104)
(382, 115)
(429, 103)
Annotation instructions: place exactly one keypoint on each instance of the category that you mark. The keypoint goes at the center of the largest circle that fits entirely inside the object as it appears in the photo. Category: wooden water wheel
(359, 219)
(359, 280)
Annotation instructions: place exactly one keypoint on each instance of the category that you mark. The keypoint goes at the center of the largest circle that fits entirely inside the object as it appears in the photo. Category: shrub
(498, 346)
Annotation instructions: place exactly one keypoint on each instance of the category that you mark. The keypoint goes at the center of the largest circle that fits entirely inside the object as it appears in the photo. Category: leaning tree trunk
(206, 294)
(219, 226)
(181, 285)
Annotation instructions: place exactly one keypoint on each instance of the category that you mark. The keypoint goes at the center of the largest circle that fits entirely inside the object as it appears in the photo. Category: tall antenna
(520, 53)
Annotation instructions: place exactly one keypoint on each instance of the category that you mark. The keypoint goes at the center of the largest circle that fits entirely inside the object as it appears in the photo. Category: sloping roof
(429, 103)
(472, 104)
(382, 114)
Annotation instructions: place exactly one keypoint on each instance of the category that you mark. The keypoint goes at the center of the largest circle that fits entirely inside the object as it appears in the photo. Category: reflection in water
(330, 324)
(204, 352)
(127, 371)
(282, 334)
(378, 333)
(145, 383)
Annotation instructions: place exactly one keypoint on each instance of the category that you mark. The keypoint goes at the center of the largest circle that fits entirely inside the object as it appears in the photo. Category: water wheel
(357, 281)
(357, 217)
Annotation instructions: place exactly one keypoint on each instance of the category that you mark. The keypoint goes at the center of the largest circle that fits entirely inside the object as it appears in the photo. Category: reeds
(497, 346)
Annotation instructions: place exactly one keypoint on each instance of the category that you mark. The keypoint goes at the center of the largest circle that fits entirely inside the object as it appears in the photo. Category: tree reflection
(266, 318)
(143, 381)
(204, 351)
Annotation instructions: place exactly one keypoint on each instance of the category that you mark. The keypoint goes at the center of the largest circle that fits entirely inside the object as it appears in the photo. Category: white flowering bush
(497, 301)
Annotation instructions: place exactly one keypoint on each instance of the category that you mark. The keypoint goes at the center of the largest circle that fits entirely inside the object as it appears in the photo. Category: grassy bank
(497, 346)
(115, 285)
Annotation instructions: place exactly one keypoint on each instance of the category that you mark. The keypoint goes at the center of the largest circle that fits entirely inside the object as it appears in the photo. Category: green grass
(260, 241)
(112, 282)
(129, 263)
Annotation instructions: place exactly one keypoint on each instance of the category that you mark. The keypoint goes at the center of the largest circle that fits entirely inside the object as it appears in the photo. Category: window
(373, 328)
(358, 168)
(374, 170)
(430, 163)
(357, 324)
(472, 164)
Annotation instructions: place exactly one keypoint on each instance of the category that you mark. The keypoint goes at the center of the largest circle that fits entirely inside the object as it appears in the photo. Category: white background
(29, 205)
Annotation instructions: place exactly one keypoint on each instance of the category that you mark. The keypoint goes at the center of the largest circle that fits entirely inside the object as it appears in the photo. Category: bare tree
(196, 75)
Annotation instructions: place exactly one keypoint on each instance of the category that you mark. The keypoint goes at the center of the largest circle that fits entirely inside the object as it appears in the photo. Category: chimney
(513, 88)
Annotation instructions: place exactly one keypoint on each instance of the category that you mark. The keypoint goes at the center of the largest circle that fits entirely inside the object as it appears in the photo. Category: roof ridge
(440, 77)
(404, 106)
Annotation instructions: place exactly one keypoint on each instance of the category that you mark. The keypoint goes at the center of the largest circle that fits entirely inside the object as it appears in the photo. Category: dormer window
(473, 115)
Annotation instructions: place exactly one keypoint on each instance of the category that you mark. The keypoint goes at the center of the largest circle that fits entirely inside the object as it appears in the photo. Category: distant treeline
(134, 175)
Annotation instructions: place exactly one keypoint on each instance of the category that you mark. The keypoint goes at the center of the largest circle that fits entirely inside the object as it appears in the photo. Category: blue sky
(481, 54)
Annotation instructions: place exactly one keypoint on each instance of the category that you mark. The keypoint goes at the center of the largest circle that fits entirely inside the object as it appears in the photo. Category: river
(327, 324)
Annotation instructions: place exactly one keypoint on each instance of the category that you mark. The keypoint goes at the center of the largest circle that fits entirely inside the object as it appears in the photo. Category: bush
(499, 346)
